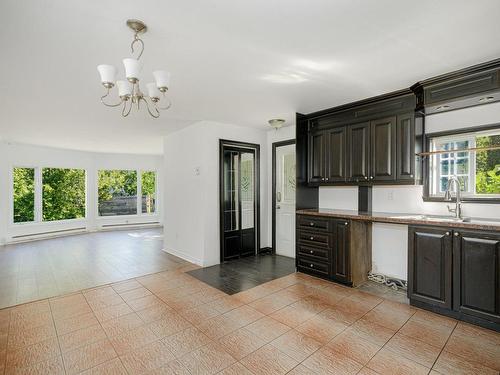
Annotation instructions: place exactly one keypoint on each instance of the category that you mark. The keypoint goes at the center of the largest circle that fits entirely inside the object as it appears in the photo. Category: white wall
(191, 200)
(21, 155)
(389, 245)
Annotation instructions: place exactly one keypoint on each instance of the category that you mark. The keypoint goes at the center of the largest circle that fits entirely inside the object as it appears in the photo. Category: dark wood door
(317, 156)
(476, 263)
(336, 154)
(359, 152)
(430, 266)
(383, 149)
(340, 267)
(405, 147)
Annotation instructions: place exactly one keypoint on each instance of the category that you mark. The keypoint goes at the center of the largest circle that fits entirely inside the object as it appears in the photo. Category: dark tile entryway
(245, 273)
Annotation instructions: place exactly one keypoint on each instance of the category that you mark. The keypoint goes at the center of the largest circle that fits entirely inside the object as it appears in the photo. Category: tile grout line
(57, 336)
(442, 349)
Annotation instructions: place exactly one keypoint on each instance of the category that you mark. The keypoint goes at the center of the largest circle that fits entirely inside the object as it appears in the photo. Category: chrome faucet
(458, 202)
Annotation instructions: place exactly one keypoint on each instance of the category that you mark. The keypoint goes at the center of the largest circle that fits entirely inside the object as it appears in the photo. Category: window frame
(427, 170)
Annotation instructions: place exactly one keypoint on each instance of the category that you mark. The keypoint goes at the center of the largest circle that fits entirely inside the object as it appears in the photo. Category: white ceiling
(233, 61)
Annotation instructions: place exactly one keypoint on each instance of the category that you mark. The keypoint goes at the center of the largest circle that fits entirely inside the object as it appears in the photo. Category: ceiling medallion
(129, 91)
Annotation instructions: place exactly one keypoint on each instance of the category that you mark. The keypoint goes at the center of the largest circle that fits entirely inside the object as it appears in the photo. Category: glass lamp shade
(124, 88)
(108, 74)
(132, 69)
(162, 79)
(153, 91)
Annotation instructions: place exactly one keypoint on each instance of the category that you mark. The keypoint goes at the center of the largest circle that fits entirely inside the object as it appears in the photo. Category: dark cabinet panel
(317, 156)
(430, 266)
(383, 149)
(477, 274)
(341, 261)
(336, 154)
(359, 151)
(405, 148)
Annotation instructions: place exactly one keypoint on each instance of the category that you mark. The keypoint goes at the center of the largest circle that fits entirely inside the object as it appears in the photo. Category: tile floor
(172, 323)
(47, 268)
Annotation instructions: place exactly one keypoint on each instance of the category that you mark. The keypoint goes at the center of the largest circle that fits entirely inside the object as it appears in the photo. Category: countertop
(404, 218)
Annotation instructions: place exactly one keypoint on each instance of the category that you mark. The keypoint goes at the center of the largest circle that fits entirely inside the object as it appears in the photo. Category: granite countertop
(405, 219)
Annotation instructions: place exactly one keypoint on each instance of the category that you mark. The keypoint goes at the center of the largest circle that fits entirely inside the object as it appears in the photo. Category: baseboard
(184, 256)
(266, 249)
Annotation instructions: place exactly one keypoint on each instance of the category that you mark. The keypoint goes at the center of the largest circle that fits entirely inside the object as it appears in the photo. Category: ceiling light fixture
(128, 90)
(276, 123)
(486, 99)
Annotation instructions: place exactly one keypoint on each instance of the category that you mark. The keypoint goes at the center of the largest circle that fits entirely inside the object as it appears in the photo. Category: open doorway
(239, 199)
(283, 201)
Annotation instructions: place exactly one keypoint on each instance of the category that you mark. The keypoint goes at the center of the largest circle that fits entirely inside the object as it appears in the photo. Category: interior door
(285, 200)
(238, 202)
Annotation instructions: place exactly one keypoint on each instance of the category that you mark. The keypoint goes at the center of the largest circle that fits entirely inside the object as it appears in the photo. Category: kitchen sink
(431, 218)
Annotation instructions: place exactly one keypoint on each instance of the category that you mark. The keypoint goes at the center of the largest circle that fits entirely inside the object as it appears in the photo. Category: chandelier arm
(125, 113)
(167, 106)
(149, 110)
(137, 39)
(109, 105)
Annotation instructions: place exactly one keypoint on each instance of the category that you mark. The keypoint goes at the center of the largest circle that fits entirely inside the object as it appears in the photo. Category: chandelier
(129, 92)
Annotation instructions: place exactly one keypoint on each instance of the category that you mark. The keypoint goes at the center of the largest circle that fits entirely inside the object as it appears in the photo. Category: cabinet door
(341, 261)
(405, 148)
(430, 266)
(336, 154)
(383, 149)
(476, 263)
(317, 156)
(359, 151)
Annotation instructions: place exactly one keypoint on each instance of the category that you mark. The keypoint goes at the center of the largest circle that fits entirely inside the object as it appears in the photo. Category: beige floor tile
(75, 323)
(125, 286)
(147, 358)
(389, 363)
(241, 343)
(372, 331)
(272, 303)
(269, 361)
(244, 315)
(353, 345)
(199, 314)
(219, 326)
(22, 338)
(296, 345)
(136, 293)
(209, 359)
(451, 364)
(413, 349)
(133, 339)
(32, 355)
(169, 325)
(82, 337)
(186, 341)
(111, 367)
(301, 370)
(327, 361)
(171, 368)
(52, 366)
(88, 356)
(292, 315)
(235, 369)
(121, 325)
(321, 328)
(268, 328)
(428, 331)
(157, 312)
(112, 312)
(225, 304)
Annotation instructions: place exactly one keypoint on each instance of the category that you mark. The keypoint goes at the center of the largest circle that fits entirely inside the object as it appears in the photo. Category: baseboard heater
(129, 224)
(53, 232)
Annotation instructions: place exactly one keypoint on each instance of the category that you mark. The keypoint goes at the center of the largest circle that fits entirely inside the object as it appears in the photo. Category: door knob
(278, 207)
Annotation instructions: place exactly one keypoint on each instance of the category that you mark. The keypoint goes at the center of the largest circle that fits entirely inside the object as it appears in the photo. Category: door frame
(242, 145)
(275, 145)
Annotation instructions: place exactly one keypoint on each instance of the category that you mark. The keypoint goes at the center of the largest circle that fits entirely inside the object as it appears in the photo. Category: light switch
(197, 171)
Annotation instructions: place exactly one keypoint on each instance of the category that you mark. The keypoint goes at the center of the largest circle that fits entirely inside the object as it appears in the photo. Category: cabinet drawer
(314, 238)
(313, 223)
(310, 265)
(323, 254)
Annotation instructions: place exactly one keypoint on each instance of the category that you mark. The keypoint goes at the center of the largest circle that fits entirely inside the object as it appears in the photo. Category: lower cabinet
(326, 248)
(455, 272)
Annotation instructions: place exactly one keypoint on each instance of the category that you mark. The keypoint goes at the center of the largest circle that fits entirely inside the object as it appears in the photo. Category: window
(478, 172)
(24, 194)
(148, 188)
(63, 194)
(117, 192)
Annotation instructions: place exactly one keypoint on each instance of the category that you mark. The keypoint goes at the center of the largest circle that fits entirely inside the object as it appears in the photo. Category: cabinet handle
(323, 179)
(327, 178)
(312, 252)
(346, 223)
(311, 238)
(411, 176)
(311, 224)
(311, 265)
(371, 177)
(366, 177)
(447, 233)
(457, 234)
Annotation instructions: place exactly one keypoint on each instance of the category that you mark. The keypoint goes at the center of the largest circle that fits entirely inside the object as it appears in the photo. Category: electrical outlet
(390, 195)
(197, 171)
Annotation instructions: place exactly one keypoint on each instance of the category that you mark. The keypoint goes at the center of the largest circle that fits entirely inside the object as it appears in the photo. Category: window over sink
(472, 157)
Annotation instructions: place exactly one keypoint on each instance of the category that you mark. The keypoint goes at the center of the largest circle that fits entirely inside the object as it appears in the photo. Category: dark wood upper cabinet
(359, 152)
(430, 266)
(405, 148)
(383, 149)
(317, 156)
(476, 257)
(336, 154)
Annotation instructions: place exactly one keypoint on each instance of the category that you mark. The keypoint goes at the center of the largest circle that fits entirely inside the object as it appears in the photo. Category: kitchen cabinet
(405, 148)
(317, 156)
(334, 249)
(455, 272)
(359, 152)
(336, 154)
(476, 263)
(383, 149)
(430, 266)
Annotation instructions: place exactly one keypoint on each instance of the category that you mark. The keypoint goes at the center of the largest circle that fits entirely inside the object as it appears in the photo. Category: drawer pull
(311, 224)
(311, 238)
(457, 234)
(311, 265)
(312, 252)
(447, 233)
